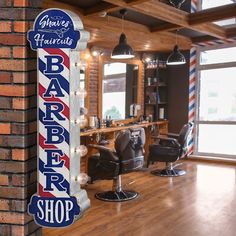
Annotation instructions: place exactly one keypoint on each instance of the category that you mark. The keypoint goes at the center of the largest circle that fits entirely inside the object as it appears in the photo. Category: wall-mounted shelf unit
(155, 90)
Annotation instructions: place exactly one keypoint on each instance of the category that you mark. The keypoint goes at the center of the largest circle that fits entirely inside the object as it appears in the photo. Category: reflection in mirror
(119, 90)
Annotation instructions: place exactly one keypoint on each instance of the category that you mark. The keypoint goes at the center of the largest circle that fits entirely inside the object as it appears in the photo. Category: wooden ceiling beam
(202, 39)
(110, 7)
(165, 27)
(106, 33)
(101, 7)
(231, 32)
(213, 14)
(170, 14)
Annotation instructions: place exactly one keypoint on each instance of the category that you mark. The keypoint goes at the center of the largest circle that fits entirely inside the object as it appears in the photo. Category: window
(114, 85)
(205, 4)
(216, 102)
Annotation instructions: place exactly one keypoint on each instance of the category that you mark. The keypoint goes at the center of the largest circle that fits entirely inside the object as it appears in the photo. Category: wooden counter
(92, 137)
(124, 127)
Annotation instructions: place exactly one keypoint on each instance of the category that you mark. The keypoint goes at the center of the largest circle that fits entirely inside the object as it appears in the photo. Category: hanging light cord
(176, 35)
(122, 25)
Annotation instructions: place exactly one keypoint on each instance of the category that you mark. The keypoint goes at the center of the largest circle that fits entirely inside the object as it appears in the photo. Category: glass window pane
(217, 139)
(218, 56)
(206, 4)
(218, 95)
(226, 22)
(114, 86)
(215, 3)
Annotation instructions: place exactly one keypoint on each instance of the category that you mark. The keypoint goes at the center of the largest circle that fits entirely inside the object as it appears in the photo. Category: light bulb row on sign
(82, 150)
(82, 178)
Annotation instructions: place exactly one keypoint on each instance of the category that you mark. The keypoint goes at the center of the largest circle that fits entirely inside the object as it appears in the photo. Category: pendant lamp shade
(176, 57)
(122, 50)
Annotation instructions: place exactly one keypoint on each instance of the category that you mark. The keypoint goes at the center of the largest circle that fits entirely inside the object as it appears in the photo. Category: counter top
(118, 128)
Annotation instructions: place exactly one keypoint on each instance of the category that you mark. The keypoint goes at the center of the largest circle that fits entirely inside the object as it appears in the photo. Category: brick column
(18, 151)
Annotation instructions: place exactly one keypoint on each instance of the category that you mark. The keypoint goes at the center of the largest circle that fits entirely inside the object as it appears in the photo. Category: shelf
(151, 68)
(151, 86)
(162, 103)
(151, 104)
(156, 85)
(162, 85)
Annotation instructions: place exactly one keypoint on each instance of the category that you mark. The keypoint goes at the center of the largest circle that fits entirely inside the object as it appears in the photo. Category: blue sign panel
(54, 212)
(53, 28)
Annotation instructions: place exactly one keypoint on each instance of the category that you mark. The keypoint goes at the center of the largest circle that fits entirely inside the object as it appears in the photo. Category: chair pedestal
(169, 171)
(117, 194)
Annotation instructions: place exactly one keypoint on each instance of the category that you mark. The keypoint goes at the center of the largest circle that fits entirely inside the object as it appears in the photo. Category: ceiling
(150, 25)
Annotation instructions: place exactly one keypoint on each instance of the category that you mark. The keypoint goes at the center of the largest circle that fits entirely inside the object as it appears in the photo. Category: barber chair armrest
(99, 147)
(172, 135)
(167, 141)
(105, 153)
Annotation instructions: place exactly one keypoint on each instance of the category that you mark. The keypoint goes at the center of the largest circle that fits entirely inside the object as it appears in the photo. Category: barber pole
(192, 91)
(192, 85)
(58, 36)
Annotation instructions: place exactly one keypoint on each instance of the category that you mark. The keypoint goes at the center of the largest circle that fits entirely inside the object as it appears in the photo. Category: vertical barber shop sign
(58, 36)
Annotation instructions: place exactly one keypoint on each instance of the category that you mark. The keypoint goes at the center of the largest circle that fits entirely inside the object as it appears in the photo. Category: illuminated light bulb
(82, 178)
(87, 55)
(82, 150)
(95, 53)
(83, 111)
(82, 93)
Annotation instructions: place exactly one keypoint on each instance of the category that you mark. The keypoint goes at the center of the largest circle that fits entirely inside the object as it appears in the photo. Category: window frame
(199, 68)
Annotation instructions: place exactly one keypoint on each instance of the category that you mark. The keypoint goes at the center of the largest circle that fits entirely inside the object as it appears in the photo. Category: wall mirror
(119, 89)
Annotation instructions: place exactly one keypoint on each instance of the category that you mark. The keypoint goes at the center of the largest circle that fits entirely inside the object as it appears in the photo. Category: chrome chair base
(169, 172)
(115, 196)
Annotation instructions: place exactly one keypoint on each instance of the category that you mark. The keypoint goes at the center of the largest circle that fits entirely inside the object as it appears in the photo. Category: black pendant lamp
(176, 57)
(177, 3)
(122, 50)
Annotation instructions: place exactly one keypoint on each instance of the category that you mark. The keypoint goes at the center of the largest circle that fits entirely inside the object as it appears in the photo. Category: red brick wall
(18, 150)
(93, 86)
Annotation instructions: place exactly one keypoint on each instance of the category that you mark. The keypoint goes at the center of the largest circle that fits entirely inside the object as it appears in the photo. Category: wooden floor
(201, 203)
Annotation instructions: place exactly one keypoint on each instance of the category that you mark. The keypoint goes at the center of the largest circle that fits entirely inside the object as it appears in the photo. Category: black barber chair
(107, 165)
(170, 149)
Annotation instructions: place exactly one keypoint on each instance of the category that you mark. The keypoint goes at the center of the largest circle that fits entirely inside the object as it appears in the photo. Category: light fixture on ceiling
(122, 50)
(177, 3)
(176, 57)
(95, 51)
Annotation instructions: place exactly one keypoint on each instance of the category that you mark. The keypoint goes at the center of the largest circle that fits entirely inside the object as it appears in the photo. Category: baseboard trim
(227, 161)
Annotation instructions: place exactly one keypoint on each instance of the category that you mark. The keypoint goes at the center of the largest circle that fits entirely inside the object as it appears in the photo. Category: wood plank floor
(201, 203)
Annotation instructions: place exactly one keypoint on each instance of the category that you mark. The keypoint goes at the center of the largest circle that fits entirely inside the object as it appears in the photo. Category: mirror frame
(104, 60)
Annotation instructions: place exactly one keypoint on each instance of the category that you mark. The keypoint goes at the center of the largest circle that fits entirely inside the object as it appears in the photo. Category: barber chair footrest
(115, 196)
(169, 172)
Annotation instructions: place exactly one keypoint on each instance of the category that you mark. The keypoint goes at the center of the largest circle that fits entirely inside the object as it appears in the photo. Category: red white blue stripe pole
(192, 85)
